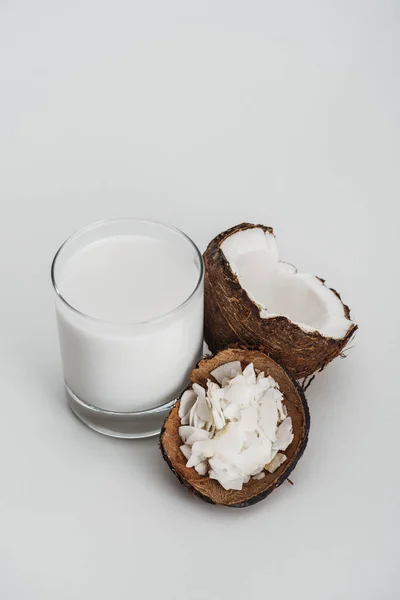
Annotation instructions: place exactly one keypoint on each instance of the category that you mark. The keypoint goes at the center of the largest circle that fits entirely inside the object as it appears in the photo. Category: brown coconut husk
(210, 490)
(231, 317)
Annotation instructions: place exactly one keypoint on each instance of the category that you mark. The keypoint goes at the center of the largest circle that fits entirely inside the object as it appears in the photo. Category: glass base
(119, 425)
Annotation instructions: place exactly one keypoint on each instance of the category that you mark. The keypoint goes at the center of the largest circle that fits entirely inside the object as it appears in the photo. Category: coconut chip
(234, 430)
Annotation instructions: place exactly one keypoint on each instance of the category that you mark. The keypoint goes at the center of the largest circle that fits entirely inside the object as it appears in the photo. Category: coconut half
(255, 490)
(255, 300)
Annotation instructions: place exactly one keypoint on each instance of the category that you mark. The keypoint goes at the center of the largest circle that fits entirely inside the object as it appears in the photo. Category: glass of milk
(129, 304)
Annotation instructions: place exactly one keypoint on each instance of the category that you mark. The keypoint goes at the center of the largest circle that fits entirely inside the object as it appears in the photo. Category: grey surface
(202, 114)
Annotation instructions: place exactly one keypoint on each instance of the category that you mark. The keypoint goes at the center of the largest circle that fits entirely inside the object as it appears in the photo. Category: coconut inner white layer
(236, 429)
(278, 289)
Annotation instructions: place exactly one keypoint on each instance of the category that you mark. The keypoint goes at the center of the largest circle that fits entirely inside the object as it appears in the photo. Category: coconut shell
(231, 317)
(210, 490)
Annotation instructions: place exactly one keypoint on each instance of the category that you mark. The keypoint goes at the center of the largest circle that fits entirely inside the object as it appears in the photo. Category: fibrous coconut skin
(232, 317)
(255, 490)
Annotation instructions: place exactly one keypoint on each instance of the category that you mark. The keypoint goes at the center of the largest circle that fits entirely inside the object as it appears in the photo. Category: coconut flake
(272, 382)
(231, 411)
(206, 448)
(230, 440)
(249, 418)
(219, 419)
(186, 451)
(239, 392)
(276, 462)
(233, 431)
(227, 371)
(203, 410)
(284, 435)
(249, 374)
(199, 391)
(202, 468)
(269, 416)
(186, 431)
(194, 460)
(193, 415)
(227, 482)
(198, 435)
(251, 437)
(255, 457)
(186, 419)
(215, 394)
(187, 401)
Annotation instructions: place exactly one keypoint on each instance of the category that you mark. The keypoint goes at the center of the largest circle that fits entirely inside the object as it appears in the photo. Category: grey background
(201, 114)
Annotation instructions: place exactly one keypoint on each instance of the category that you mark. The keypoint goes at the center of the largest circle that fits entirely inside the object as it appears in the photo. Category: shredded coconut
(235, 429)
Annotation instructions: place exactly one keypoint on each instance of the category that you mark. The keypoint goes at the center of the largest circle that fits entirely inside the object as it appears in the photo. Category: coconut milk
(129, 336)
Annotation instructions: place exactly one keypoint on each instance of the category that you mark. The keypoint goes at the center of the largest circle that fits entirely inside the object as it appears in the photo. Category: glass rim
(98, 224)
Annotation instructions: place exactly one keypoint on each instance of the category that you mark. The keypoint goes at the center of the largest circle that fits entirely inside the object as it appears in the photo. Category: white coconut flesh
(278, 289)
(235, 429)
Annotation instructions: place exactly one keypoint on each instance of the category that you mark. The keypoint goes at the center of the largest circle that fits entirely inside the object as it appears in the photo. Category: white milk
(130, 352)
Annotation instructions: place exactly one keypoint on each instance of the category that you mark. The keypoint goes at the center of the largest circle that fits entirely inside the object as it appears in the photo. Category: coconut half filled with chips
(238, 430)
